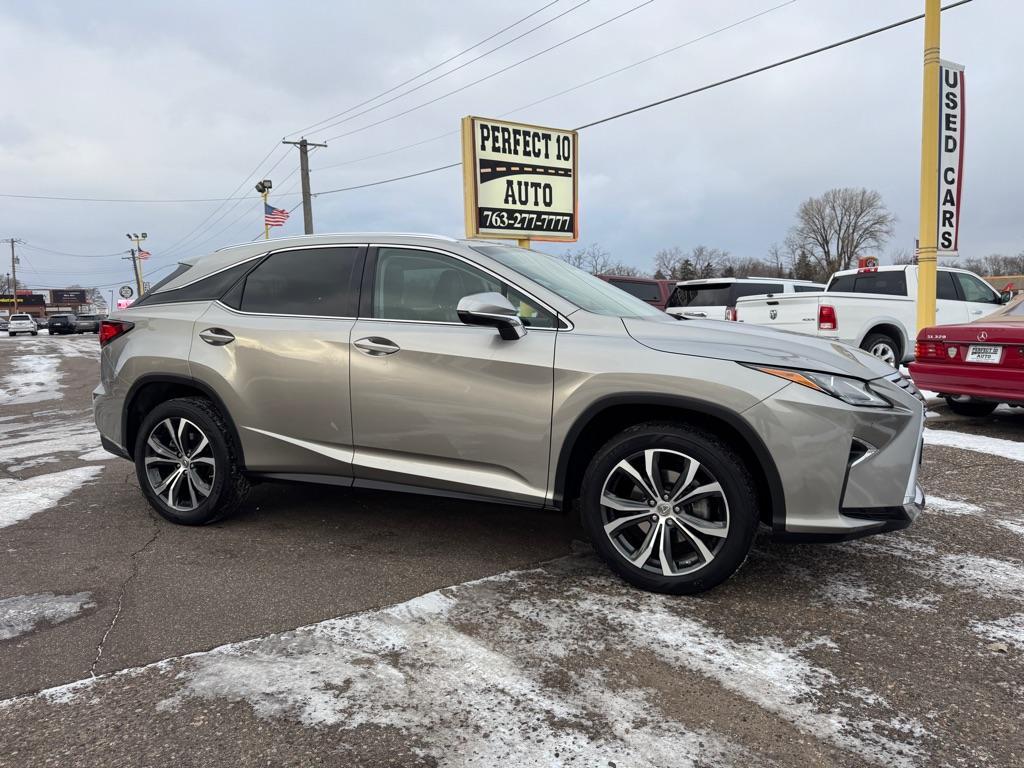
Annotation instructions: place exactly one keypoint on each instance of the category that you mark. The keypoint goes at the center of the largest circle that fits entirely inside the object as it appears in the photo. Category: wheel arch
(152, 389)
(894, 330)
(610, 415)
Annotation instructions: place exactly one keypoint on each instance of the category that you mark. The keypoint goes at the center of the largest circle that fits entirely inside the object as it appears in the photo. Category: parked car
(975, 366)
(874, 308)
(63, 324)
(87, 324)
(654, 292)
(715, 298)
(429, 365)
(4, 320)
(21, 323)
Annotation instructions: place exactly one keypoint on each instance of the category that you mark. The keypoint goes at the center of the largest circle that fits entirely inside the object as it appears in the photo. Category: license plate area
(984, 353)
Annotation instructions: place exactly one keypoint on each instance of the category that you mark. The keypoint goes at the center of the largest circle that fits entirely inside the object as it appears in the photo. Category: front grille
(904, 383)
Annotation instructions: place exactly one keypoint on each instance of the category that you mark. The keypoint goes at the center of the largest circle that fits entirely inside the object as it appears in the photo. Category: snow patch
(20, 499)
(23, 613)
(1011, 526)
(33, 379)
(1009, 630)
(986, 575)
(952, 507)
(993, 446)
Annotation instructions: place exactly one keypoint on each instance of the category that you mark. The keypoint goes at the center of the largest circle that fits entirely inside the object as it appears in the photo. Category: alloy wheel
(884, 352)
(179, 462)
(664, 512)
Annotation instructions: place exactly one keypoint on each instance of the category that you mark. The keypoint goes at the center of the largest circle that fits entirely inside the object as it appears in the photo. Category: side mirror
(1005, 297)
(494, 310)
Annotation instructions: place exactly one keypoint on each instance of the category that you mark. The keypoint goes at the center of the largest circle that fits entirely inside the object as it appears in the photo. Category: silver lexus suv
(483, 371)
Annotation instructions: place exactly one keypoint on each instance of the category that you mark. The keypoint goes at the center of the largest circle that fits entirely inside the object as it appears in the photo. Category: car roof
(730, 280)
(893, 268)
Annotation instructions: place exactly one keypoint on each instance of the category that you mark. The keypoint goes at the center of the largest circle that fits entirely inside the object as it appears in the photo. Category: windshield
(574, 285)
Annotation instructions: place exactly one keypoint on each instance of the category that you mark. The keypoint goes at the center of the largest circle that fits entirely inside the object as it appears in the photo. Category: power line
(493, 74)
(439, 65)
(691, 92)
(73, 255)
(667, 51)
(334, 123)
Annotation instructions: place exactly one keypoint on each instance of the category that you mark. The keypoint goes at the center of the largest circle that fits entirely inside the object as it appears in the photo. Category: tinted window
(206, 289)
(976, 290)
(889, 283)
(808, 288)
(754, 289)
(309, 281)
(175, 273)
(707, 295)
(945, 289)
(843, 283)
(640, 289)
(427, 286)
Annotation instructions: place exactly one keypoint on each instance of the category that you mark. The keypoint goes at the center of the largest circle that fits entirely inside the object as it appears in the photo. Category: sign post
(951, 155)
(927, 246)
(520, 181)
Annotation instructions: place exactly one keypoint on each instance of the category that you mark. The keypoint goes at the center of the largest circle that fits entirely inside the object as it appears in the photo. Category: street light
(264, 187)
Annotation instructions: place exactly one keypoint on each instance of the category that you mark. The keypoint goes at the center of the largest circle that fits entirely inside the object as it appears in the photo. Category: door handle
(218, 337)
(376, 346)
(975, 311)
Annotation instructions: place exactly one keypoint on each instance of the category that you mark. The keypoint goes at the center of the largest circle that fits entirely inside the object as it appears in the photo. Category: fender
(905, 342)
(734, 420)
(170, 378)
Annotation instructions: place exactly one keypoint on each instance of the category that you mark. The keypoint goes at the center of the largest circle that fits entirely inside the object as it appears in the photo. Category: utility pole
(307, 198)
(14, 272)
(136, 261)
(928, 232)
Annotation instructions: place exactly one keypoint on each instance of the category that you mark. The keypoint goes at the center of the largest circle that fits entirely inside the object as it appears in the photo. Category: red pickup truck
(654, 292)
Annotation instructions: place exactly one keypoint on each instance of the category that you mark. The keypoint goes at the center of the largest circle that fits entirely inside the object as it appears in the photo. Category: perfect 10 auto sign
(520, 181)
(951, 154)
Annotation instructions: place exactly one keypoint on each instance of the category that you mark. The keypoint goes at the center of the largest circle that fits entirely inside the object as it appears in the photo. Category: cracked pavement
(905, 649)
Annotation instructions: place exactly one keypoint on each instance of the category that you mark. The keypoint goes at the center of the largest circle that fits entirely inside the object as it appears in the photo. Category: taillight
(731, 314)
(111, 329)
(827, 318)
(925, 349)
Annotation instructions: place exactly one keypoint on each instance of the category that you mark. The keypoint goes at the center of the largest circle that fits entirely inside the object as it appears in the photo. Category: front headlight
(852, 391)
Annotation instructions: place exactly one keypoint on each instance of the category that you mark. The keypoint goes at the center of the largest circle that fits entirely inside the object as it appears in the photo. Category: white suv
(715, 298)
(22, 324)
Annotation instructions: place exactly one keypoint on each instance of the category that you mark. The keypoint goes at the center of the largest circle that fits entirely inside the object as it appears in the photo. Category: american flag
(144, 254)
(274, 217)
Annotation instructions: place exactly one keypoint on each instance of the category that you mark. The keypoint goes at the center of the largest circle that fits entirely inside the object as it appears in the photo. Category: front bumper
(846, 471)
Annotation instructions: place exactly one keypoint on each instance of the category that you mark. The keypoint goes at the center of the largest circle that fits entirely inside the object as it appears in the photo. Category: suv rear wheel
(670, 509)
(186, 464)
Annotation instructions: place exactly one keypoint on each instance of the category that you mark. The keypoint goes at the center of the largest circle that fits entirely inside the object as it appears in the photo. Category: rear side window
(206, 289)
(945, 289)
(308, 281)
(739, 290)
(808, 288)
(888, 283)
(707, 295)
(642, 290)
(177, 272)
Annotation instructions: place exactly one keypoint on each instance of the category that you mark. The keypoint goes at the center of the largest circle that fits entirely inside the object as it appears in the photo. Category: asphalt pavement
(323, 626)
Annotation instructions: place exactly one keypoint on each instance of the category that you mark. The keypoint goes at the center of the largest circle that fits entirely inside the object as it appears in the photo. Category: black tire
(228, 487)
(718, 461)
(35, 333)
(976, 408)
(874, 343)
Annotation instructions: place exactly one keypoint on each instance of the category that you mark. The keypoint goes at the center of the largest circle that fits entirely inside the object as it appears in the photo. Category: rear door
(949, 306)
(979, 297)
(437, 404)
(275, 348)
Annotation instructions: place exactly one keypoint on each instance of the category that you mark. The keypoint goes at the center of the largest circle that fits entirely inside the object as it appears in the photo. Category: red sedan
(975, 366)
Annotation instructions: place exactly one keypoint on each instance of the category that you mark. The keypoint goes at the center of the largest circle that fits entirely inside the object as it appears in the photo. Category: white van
(715, 298)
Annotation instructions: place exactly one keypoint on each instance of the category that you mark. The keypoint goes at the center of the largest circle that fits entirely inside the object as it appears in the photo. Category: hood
(754, 344)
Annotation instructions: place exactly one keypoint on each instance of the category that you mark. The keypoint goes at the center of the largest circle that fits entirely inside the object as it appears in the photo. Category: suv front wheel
(186, 464)
(670, 509)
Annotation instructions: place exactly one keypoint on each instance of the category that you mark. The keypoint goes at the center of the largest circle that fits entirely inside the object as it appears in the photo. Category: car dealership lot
(451, 633)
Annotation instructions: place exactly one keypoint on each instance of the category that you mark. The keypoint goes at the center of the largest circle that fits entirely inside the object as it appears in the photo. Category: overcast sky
(181, 100)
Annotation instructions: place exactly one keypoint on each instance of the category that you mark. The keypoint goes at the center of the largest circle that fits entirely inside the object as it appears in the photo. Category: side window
(642, 290)
(843, 284)
(205, 289)
(889, 283)
(945, 289)
(307, 281)
(975, 290)
(427, 286)
(808, 289)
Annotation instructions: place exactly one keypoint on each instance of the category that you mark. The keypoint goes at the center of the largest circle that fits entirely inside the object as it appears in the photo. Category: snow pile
(1009, 630)
(993, 446)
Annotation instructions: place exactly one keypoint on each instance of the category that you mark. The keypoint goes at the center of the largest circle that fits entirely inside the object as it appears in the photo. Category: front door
(276, 350)
(980, 298)
(441, 405)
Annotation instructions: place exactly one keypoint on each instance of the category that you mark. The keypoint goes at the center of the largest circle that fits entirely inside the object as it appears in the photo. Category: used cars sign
(520, 180)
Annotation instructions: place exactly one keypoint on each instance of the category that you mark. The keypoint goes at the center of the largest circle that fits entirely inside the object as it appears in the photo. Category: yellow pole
(927, 245)
(266, 227)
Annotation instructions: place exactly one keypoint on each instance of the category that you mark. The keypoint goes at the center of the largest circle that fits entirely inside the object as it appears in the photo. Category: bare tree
(833, 230)
(902, 256)
(701, 261)
(592, 258)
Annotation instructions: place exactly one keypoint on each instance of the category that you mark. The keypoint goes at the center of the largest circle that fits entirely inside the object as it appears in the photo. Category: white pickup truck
(874, 309)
